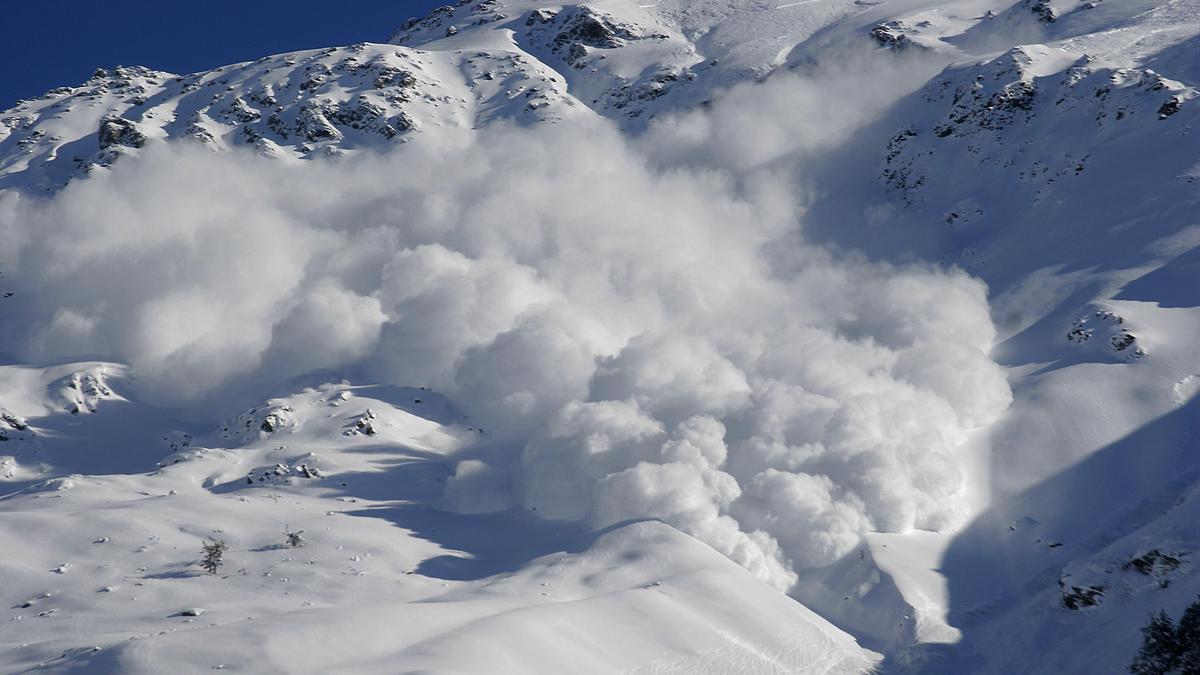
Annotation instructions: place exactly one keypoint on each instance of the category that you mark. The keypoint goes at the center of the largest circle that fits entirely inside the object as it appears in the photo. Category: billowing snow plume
(637, 341)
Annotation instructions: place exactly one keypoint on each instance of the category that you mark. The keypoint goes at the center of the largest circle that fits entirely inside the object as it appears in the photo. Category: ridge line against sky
(61, 42)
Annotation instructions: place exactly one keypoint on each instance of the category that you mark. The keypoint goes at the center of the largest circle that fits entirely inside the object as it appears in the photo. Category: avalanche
(705, 336)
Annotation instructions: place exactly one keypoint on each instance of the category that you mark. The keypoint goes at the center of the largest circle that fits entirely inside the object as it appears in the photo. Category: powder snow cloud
(642, 339)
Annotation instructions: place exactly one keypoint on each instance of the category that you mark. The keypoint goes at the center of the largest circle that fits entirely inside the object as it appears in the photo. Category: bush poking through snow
(1170, 648)
(214, 552)
(294, 538)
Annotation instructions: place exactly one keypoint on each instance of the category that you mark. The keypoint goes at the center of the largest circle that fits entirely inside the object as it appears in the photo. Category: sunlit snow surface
(101, 568)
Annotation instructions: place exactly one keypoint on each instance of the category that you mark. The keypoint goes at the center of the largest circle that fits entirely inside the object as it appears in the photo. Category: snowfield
(382, 582)
(695, 336)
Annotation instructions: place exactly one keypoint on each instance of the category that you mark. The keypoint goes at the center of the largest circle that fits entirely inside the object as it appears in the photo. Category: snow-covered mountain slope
(107, 581)
(328, 101)
(1066, 184)
(463, 66)
(1047, 147)
(1063, 173)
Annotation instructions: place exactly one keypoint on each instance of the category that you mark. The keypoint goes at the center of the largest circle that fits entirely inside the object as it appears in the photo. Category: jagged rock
(13, 421)
(239, 111)
(392, 76)
(117, 131)
(250, 425)
(1170, 107)
(197, 132)
(1122, 341)
(1042, 10)
(431, 20)
(587, 26)
(264, 96)
(1077, 597)
(540, 17)
(359, 113)
(13, 426)
(891, 35)
(315, 75)
(313, 125)
(1154, 563)
(282, 474)
(364, 425)
(83, 391)
(1079, 333)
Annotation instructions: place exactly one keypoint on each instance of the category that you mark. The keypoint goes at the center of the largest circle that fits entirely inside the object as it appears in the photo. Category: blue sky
(50, 43)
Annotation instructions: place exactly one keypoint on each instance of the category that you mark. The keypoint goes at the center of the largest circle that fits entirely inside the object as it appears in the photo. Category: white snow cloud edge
(644, 341)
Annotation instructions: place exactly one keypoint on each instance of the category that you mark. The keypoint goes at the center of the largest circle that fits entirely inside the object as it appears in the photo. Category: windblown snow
(698, 337)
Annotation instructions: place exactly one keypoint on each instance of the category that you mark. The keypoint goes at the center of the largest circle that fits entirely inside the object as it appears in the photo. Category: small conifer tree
(214, 552)
(1170, 648)
(1187, 634)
